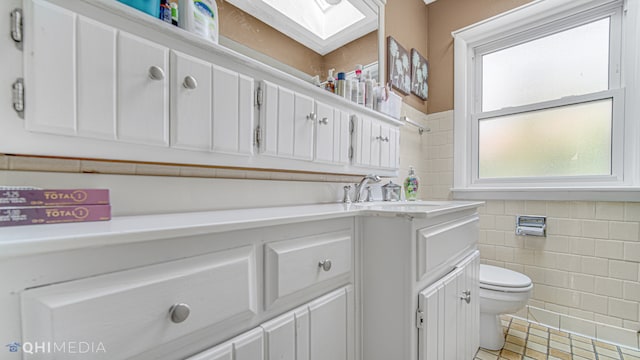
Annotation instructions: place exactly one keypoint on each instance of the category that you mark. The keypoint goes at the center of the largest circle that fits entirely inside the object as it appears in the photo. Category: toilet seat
(505, 280)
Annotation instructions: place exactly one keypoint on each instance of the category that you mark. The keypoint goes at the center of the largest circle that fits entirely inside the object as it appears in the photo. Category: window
(540, 99)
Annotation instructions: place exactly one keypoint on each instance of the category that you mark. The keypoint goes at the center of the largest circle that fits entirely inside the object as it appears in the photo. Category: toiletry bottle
(174, 12)
(411, 184)
(199, 17)
(330, 85)
(368, 95)
(165, 11)
(353, 84)
(361, 86)
(341, 84)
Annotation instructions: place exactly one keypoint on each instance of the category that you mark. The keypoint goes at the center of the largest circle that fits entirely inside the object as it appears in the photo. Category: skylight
(317, 16)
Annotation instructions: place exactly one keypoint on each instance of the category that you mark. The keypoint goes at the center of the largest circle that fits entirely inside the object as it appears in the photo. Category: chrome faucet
(362, 185)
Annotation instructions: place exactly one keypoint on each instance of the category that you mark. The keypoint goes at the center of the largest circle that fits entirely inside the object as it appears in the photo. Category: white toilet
(502, 291)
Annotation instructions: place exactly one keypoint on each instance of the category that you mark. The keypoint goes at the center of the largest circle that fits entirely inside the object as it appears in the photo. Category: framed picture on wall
(398, 66)
(419, 75)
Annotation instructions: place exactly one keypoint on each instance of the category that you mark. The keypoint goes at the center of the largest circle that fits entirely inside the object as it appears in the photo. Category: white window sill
(559, 194)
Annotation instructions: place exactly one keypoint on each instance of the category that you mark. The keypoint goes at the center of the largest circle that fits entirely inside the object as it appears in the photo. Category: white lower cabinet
(414, 274)
(448, 314)
(321, 329)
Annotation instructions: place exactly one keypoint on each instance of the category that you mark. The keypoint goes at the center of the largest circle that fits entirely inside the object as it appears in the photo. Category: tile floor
(527, 341)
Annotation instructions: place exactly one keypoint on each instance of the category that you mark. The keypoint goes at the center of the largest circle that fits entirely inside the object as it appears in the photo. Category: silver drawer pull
(156, 73)
(466, 296)
(312, 117)
(324, 120)
(179, 312)
(190, 82)
(325, 264)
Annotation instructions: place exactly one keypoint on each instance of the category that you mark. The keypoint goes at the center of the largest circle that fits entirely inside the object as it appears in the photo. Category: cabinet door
(450, 327)
(329, 330)
(394, 148)
(96, 71)
(249, 346)
(220, 352)
(280, 338)
(303, 127)
(362, 138)
(190, 102)
(143, 106)
(341, 136)
(269, 118)
(286, 121)
(50, 74)
(376, 141)
(325, 132)
(232, 112)
(385, 146)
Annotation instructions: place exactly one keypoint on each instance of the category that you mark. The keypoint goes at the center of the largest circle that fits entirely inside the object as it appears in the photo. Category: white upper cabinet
(211, 107)
(190, 102)
(50, 68)
(142, 91)
(287, 121)
(332, 135)
(324, 132)
(376, 144)
(96, 71)
(125, 86)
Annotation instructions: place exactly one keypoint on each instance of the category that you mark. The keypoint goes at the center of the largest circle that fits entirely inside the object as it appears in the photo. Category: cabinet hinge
(352, 126)
(419, 319)
(350, 152)
(257, 136)
(16, 27)
(259, 96)
(18, 97)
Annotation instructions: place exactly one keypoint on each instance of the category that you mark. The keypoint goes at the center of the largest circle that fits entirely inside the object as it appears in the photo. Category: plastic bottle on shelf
(330, 84)
(368, 94)
(341, 84)
(361, 86)
(199, 17)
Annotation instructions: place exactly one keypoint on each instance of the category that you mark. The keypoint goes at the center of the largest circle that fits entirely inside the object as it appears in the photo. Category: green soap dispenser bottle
(411, 184)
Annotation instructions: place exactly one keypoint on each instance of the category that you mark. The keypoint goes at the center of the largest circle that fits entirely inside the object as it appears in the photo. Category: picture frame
(419, 75)
(398, 66)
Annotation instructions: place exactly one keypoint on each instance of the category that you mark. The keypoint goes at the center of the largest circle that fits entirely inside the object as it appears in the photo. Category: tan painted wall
(445, 16)
(243, 28)
(407, 22)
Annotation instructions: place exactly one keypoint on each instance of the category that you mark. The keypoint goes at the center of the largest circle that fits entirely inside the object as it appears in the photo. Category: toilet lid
(501, 277)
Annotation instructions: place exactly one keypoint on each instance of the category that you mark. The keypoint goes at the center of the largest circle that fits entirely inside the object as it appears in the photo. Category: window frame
(532, 21)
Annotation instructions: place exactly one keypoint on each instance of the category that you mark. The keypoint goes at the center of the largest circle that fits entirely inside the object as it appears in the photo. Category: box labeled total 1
(53, 197)
(33, 215)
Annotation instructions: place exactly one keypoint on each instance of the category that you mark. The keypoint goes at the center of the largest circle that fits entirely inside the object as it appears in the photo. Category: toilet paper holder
(531, 225)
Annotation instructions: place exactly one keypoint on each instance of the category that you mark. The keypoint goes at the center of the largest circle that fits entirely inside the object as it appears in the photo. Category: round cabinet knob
(156, 73)
(190, 82)
(325, 265)
(324, 120)
(312, 117)
(466, 296)
(179, 312)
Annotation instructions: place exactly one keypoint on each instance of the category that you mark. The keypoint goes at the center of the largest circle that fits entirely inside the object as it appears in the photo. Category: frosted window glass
(571, 62)
(564, 141)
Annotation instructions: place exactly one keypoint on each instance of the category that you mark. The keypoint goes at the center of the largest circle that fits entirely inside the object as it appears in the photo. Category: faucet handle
(347, 198)
(369, 198)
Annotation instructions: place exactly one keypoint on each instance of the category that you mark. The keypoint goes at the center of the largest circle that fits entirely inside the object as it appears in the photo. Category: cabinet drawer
(129, 312)
(295, 264)
(441, 245)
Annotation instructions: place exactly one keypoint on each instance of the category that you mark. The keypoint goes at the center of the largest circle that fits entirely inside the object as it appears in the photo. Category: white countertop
(34, 239)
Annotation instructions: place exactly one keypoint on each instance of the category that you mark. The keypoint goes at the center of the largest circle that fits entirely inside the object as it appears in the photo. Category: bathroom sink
(417, 203)
(419, 208)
